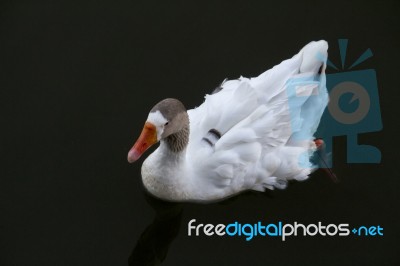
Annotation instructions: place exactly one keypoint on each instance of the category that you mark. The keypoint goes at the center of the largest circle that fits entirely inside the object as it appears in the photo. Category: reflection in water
(153, 244)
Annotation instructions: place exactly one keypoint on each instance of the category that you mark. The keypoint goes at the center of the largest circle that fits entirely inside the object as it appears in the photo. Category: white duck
(250, 134)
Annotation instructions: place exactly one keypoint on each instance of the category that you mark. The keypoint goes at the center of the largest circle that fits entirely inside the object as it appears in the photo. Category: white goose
(250, 134)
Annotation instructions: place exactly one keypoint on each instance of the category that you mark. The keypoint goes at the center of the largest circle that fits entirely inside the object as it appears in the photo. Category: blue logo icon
(353, 108)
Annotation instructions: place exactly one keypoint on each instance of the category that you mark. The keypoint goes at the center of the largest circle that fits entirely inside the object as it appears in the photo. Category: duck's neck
(177, 143)
(163, 170)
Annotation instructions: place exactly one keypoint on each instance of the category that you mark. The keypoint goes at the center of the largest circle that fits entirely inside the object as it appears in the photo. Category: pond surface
(77, 81)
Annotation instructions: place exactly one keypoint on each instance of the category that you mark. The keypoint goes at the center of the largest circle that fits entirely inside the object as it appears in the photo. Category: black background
(77, 80)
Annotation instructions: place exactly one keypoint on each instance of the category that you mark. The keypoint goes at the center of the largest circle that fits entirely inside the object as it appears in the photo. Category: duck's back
(257, 133)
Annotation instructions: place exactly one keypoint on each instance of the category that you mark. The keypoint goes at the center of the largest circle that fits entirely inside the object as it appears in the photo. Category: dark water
(76, 83)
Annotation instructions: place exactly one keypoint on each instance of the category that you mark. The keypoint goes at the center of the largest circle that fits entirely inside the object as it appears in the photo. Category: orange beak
(147, 138)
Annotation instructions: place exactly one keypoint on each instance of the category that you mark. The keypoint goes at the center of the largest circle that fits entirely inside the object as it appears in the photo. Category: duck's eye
(166, 124)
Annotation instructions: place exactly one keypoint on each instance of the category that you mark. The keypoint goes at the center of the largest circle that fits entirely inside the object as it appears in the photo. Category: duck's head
(166, 118)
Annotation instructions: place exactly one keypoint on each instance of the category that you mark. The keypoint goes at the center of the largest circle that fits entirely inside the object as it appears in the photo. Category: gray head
(169, 116)
(168, 120)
